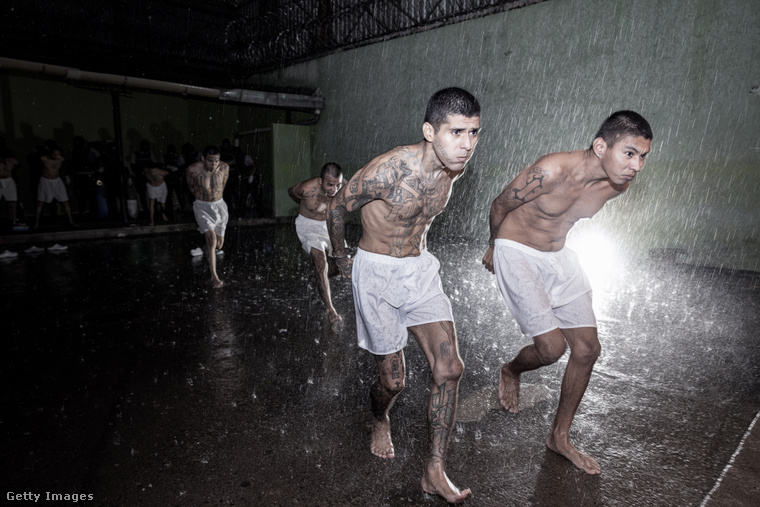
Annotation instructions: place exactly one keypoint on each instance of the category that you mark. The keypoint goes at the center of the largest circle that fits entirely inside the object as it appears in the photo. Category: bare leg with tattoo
(547, 349)
(383, 394)
(438, 341)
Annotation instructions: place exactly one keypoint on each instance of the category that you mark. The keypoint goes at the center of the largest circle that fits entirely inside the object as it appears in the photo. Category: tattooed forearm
(336, 226)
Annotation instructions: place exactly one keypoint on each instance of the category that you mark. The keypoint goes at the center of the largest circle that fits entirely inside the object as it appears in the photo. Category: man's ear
(600, 146)
(428, 131)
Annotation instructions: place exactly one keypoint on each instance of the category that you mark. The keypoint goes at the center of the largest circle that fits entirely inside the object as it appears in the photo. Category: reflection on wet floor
(131, 379)
(474, 407)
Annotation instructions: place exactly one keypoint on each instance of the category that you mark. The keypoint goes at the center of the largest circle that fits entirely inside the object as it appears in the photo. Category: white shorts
(211, 216)
(8, 189)
(48, 189)
(158, 193)
(313, 234)
(543, 290)
(391, 294)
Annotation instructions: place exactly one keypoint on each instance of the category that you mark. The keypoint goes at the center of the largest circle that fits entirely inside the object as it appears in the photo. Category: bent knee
(587, 352)
(550, 350)
(444, 371)
(393, 386)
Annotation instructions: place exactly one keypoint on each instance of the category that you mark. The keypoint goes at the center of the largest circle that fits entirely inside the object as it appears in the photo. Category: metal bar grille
(214, 42)
(298, 30)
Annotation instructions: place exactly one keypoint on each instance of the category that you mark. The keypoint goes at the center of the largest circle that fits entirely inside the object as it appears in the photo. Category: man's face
(625, 159)
(455, 141)
(211, 162)
(331, 184)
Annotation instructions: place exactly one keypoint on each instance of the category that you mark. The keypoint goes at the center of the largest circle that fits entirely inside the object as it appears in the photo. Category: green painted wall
(546, 76)
(291, 161)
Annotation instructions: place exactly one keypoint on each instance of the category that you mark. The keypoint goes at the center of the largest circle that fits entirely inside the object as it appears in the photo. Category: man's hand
(344, 265)
(488, 259)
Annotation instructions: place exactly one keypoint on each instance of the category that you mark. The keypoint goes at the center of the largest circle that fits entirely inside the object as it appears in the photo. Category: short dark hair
(49, 148)
(450, 101)
(623, 123)
(332, 169)
(210, 150)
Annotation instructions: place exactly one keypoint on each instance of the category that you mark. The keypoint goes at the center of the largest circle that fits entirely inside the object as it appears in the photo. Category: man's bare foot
(435, 482)
(509, 389)
(381, 445)
(217, 284)
(579, 459)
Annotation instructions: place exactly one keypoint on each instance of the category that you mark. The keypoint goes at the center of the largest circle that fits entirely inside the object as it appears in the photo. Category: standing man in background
(51, 186)
(156, 191)
(7, 184)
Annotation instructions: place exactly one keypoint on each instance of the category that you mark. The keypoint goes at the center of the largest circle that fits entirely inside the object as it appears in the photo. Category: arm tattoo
(533, 181)
(336, 225)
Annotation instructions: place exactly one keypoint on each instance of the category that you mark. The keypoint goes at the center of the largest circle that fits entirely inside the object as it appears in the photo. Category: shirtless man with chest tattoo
(395, 279)
(206, 180)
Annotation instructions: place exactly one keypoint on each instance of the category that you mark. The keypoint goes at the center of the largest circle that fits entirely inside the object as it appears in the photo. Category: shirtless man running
(541, 281)
(206, 180)
(395, 279)
(51, 185)
(313, 197)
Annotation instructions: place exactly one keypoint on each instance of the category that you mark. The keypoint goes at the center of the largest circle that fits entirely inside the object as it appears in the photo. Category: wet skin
(313, 197)
(538, 209)
(399, 194)
(206, 180)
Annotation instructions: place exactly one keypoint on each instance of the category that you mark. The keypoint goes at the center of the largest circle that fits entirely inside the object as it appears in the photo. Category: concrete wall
(546, 76)
(291, 163)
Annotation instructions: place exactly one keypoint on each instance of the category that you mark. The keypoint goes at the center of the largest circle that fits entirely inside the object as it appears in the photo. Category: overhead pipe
(283, 100)
(288, 100)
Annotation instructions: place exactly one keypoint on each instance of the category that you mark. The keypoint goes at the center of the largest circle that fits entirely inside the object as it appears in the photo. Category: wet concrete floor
(127, 378)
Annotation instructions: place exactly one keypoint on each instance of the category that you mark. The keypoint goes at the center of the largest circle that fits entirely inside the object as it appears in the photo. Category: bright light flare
(598, 256)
